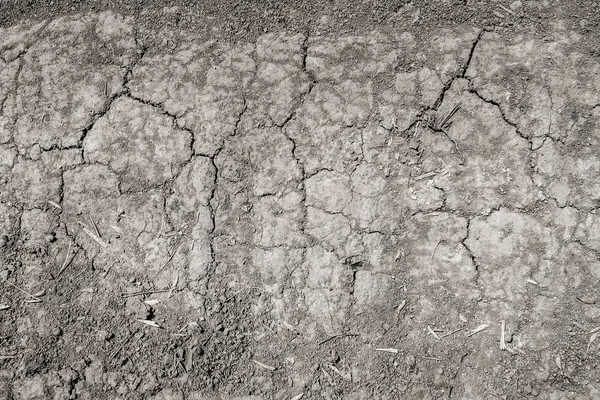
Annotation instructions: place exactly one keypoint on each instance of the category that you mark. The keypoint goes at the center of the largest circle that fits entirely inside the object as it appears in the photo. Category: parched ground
(311, 215)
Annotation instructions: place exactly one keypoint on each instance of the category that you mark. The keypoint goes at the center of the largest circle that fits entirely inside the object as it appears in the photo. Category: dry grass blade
(450, 333)
(337, 337)
(8, 357)
(450, 115)
(186, 326)
(400, 306)
(95, 226)
(152, 302)
(502, 339)
(174, 284)
(596, 329)
(108, 269)
(67, 262)
(592, 338)
(425, 176)
(267, 327)
(399, 253)
(286, 325)
(54, 204)
(432, 332)
(342, 374)
(480, 328)
(531, 281)
(170, 257)
(93, 235)
(35, 299)
(148, 322)
(434, 249)
(388, 350)
(4, 307)
(263, 365)
(432, 358)
(88, 290)
(298, 397)
(145, 292)
(506, 9)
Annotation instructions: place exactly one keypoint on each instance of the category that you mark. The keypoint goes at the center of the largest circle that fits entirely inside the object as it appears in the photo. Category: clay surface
(396, 213)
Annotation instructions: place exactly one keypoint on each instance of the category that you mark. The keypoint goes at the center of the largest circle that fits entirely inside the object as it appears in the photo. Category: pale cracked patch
(324, 292)
(516, 252)
(67, 77)
(564, 168)
(383, 199)
(438, 256)
(138, 143)
(15, 40)
(330, 114)
(192, 190)
(588, 231)
(8, 75)
(329, 191)
(478, 159)
(90, 190)
(32, 184)
(258, 208)
(543, 86)
(202, 85)
(281, 81)
(435, 263)
(412, 91)
(419, 75)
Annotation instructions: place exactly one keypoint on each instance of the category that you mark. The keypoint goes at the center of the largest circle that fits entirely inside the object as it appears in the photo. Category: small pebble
(57, 331)
(35, 152)
(4, 274)
(515, 5)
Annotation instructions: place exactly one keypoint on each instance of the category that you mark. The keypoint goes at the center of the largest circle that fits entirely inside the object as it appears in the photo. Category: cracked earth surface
(356, 217)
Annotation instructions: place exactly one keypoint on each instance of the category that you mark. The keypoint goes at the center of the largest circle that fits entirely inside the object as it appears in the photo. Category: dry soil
(264, 200)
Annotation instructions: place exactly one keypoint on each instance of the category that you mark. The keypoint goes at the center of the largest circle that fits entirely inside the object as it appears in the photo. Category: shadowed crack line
(302, 187)
(213, 205)
(163, 111)
(470, 252)
(424, 118)
(311, 84)
(461, 74)
(504, 117)
(107, 105)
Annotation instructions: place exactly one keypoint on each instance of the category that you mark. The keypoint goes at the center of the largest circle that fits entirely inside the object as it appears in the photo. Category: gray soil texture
(407, 209)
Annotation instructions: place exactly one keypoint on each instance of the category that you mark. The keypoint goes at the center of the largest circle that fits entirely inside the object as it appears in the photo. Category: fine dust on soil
(248, 200)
